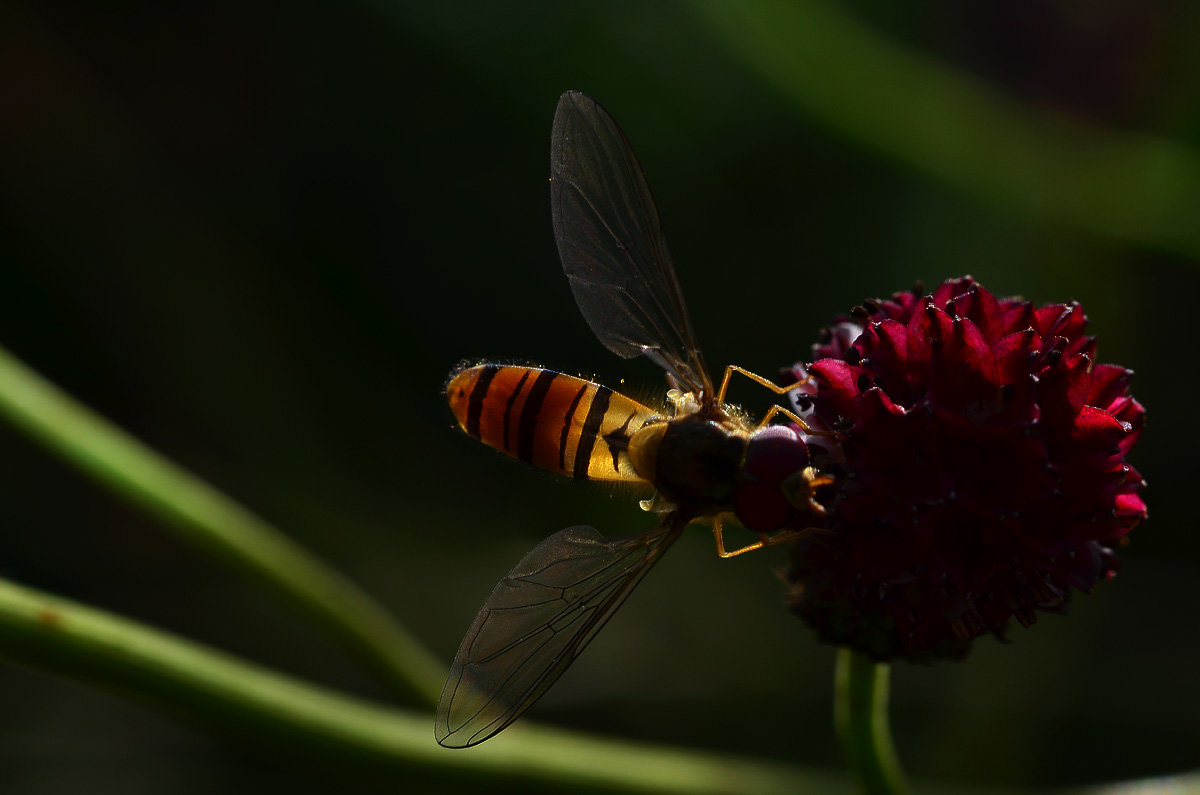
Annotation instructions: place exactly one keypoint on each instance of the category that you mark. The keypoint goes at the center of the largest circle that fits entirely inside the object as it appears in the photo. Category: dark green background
(259, 236)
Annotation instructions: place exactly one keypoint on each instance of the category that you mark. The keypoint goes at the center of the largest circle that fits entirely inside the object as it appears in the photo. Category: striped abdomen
(554, 421)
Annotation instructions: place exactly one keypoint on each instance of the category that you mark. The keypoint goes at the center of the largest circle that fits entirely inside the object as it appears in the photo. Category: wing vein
(523, 640)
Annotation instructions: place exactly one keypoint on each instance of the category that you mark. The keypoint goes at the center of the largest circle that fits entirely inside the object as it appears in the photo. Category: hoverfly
(698, 456)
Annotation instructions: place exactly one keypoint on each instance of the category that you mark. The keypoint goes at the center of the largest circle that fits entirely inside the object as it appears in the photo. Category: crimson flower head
(979, 455)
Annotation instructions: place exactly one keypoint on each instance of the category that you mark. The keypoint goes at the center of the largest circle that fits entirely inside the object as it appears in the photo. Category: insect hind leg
(778, 390)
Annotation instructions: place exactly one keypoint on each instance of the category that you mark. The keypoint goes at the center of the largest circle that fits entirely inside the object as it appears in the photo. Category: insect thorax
(692, 462)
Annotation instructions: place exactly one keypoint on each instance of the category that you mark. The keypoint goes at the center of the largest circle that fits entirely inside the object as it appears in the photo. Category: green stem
(860, 717)
(933, 116)
(48, 632)
(208, 519)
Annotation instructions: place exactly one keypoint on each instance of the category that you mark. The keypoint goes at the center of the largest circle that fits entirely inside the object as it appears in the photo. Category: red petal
(1012, 354)
(1079, 381)
(973, 349)
(1097, 426)
(1134, 416)
(963, 372)
(921, 332)
(1109, 382)
(947, 291)
(885, 347)
(1075, 323)
(1130, 508)
(875, 402)
(983, 309)
(1048, 317)
(1018, 316)
(837, 388)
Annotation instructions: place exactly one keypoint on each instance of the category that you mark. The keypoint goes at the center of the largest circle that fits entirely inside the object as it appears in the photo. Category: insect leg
(777, 409)
(787, 536)
(779, 390)
(764, 539)
(718, 535)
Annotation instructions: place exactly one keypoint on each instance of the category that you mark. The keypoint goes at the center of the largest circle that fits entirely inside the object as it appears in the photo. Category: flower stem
(271, 709)
(860, 717)
(203, 516)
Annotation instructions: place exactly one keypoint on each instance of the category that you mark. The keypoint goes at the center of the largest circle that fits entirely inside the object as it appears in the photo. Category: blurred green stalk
(44, 631)
(213, 522)
(860, 717)
(949, 123)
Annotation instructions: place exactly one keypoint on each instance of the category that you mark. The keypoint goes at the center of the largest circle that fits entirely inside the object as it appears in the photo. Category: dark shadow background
(258, 236)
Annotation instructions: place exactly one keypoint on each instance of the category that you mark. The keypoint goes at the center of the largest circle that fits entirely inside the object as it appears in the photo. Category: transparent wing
(536, 622)
(612, 246)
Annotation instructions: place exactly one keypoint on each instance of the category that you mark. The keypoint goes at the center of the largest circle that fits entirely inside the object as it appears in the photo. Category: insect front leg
(718, 534)
(779, 390)
(764, 539)
(777, 409)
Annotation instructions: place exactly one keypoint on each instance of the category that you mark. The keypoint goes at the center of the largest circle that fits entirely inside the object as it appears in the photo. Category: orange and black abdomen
(554, 421)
